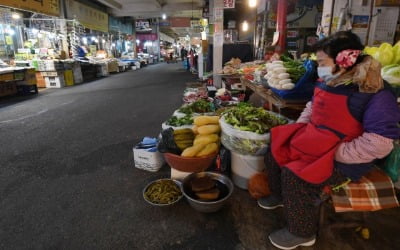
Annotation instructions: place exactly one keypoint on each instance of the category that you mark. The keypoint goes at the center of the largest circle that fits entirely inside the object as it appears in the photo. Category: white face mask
(325, 73)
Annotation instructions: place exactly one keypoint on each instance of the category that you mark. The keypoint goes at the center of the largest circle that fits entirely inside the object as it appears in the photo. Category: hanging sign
(89, 17)
(48, 7)
(229, 4)
(143, 26)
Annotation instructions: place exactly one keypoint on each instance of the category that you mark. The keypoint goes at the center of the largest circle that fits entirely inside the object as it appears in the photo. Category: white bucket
(244, 167)
(133, 67)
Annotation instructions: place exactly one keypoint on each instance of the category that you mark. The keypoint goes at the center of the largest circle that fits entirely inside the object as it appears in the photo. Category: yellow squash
(204, 120)
(208, 149)
(208, 129)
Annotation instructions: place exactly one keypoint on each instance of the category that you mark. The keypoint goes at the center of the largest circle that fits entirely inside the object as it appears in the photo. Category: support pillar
(217, 8)
(281, 25)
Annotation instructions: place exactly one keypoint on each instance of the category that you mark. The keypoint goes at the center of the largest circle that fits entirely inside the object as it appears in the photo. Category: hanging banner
(116, 25)
(89, 17)
(48, 7)
(229, 4)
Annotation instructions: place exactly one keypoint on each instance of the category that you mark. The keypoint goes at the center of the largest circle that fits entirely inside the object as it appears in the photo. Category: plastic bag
(167, 143)
(243, 142)
(392, 163)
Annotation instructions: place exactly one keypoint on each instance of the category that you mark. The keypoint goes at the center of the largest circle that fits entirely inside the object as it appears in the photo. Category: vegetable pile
(163, 192)
(247, 118)
(391, 73)
(385, 53)
(177, 122)
(284, 74)
(200, 106)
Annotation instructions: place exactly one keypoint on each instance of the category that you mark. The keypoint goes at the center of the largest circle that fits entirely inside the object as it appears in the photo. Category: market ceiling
(155, 8)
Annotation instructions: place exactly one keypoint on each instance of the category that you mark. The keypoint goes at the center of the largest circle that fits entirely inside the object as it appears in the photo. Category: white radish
(279, 70)
(285, 81)
(277, 62)
(283, 76)
(288, 86)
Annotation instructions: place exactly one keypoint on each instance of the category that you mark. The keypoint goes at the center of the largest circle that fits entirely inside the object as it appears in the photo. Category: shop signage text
(142, 26)
(48, 7)
(87, 16)
(229, 4)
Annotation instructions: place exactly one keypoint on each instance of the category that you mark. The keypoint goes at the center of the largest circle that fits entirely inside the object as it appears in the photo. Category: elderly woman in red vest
(350, 122)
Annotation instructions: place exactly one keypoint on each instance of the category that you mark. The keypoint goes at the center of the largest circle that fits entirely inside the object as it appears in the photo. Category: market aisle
(66, 168)
(67, 179)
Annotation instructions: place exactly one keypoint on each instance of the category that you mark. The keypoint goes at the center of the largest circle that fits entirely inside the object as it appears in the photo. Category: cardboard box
(149, 161)
(40, 82)
(387, 3)
(7, 88)
(69, 77)
(54, 81)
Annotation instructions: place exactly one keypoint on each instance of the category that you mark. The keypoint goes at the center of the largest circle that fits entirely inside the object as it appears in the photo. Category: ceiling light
(252, 3)
(137, 41)
(15, 15)
(245, 26)
(84, 40)
(164, 16)
(93, 38)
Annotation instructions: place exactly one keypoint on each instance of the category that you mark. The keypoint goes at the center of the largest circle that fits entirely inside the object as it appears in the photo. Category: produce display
(183, 138)
(206, 141)
(386, 54)
(391, 73)
(283, 74)
(205, 188)
(248, 118)
(194, 94)
(245, 129)
(163, 192)
(199, 106)
(178, 122)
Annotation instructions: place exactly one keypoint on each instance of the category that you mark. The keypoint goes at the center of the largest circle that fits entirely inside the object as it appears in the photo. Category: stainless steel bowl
(163, 205)
(206, 206)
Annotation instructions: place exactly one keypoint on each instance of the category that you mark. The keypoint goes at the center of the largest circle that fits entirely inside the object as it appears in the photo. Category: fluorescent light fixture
(137, 41)
(10, 31)
(93, 38)
(113, 44)
(252, 3)
(103, 41)
(164, 16)
(245, 26)
(15, 15)
(84, 40)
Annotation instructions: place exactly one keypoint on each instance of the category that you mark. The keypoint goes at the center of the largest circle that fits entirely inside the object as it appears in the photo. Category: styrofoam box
(54, 81)
(150, 161)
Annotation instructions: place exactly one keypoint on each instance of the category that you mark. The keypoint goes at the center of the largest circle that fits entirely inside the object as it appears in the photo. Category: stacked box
(7, 88)
(54, 81)
(40, 82)
(50, 65)
(69, 77)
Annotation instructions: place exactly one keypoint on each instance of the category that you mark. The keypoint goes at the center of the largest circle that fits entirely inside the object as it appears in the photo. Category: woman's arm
(380, 122)
(306, 114)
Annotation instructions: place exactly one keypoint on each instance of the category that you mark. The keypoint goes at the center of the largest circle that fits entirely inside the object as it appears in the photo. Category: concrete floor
(67, 178)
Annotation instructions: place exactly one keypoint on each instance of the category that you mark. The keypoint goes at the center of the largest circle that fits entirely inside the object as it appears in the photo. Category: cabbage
(384, 55)
(396, 53)
(370, 50)
(391, 74)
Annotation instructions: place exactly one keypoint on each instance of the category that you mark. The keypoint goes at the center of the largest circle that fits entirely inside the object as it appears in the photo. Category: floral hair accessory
(347, 58)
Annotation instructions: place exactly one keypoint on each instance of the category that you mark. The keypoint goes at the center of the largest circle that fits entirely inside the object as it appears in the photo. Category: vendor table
(272, 99)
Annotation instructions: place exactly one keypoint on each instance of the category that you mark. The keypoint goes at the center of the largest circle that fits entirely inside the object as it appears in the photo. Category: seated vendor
(350, 122)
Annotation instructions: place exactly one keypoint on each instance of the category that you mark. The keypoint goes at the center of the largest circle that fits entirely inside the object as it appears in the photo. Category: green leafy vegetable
(295, 68)
(177, 122)
(200, 106)
(248, 118)
(391, 73)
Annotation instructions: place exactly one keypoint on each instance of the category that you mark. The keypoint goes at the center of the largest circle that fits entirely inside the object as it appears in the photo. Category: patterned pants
(301, 199)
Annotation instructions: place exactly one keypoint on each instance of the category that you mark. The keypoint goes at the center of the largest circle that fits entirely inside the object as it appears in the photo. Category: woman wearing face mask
(350, 122)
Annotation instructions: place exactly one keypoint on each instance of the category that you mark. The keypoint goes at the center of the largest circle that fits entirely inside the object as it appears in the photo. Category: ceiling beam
(111, 3)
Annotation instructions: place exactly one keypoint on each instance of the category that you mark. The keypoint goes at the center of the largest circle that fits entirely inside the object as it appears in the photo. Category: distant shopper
(183, 53)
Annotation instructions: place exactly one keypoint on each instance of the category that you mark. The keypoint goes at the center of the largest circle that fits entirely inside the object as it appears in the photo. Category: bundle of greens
(248, 118)
(294, 68)
(177, 122)
(200, 106)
